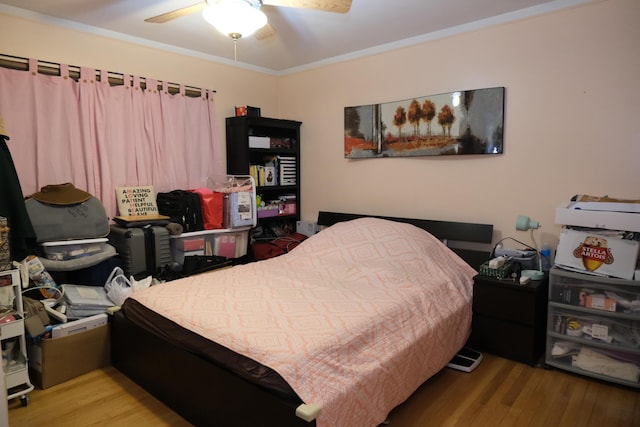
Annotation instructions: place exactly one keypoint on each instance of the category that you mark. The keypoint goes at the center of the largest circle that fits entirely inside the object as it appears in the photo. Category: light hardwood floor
(498, 393)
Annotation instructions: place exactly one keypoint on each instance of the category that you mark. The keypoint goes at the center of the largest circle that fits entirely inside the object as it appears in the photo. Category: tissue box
(597, 254)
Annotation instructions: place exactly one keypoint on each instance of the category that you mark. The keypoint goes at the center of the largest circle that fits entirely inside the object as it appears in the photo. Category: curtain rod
(115, 79)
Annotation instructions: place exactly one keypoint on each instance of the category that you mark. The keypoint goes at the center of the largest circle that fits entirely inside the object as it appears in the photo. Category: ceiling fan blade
(337, 6)
(265, 32)
(165, 17)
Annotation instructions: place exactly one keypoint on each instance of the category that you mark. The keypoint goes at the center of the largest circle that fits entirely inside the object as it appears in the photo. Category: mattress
(354, 319)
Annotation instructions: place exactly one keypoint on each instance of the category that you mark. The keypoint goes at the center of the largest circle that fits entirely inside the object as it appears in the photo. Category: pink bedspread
(354, 319)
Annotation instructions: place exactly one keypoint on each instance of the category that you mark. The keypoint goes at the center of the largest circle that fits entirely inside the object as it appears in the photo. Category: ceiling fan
(241, 18)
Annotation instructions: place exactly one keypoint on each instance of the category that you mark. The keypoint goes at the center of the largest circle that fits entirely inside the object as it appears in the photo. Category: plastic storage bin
(229, 243)
(593, 326)
(64, 250)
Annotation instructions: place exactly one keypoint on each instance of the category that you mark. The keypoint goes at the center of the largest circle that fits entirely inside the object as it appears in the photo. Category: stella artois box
(598, 254)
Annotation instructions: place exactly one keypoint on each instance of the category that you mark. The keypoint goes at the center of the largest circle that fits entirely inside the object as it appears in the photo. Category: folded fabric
(593, 361)
(564, 348)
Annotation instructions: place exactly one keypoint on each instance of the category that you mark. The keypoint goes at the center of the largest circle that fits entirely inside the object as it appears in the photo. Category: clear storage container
(229, 243)
(71, 249)
(593, 326)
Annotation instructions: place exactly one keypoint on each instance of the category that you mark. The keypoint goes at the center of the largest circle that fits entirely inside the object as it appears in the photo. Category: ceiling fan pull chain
(235, 50)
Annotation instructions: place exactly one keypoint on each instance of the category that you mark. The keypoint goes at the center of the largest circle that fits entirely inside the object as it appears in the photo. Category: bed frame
(206, 394)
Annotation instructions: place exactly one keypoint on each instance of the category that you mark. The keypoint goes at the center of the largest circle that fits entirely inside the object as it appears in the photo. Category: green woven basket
(503, 272)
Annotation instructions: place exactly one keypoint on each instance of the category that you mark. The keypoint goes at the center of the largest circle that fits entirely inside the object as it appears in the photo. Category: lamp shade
(234, 18)
(524, 223)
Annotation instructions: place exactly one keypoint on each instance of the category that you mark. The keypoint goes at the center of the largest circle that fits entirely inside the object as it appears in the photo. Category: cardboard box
(247, 110)
(597, 254)
(55, 360)
(597, 219)
(259, 142)
(600, 302)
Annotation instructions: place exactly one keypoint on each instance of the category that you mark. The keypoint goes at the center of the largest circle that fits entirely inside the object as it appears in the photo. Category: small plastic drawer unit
(593, 326)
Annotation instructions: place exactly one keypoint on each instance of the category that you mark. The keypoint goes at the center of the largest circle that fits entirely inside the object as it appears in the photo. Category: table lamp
(524, 223)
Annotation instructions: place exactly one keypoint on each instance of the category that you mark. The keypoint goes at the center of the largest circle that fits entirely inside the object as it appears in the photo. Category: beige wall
(572, 119)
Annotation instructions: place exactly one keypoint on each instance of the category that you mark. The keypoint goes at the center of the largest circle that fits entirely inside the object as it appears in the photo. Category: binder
(287, 166)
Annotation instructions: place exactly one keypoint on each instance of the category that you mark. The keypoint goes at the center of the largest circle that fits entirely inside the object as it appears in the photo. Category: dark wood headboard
(443, 230)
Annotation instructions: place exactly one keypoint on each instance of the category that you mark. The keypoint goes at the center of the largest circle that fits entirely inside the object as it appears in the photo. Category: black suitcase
(145, 251)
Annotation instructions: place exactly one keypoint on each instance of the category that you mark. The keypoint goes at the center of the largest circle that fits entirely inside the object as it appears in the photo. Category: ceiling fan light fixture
(234, 18)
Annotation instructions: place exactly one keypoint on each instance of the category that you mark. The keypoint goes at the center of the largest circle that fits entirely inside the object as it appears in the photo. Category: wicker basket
(503, 272)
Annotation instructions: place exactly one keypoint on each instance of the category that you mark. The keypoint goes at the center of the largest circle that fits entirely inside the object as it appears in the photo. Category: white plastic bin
(63, 250)
(229, 243)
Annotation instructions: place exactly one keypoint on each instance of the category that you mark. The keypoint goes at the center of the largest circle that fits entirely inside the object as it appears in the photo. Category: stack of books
(287, 170)
(276, 170)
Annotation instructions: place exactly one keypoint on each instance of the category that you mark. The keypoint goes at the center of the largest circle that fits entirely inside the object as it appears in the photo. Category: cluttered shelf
(268, 150)
(275, 188)
(593, 324)
(12, 334)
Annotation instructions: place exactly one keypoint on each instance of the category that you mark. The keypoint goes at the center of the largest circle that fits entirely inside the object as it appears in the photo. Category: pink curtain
(100, 137)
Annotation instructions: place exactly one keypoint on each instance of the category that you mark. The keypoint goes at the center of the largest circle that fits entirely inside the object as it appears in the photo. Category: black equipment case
(145, 251)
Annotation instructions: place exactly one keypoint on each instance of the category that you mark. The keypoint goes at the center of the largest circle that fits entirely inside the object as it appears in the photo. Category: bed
(336, 332)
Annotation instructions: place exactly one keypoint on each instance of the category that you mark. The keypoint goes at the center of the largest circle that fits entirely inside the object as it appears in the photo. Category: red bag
(276, 247)
(212, 213)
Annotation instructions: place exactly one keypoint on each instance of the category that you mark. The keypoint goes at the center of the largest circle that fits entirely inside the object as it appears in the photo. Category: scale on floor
(465, 360)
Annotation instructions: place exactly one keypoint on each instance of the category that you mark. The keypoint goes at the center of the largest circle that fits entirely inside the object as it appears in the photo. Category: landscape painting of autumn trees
(465, 122)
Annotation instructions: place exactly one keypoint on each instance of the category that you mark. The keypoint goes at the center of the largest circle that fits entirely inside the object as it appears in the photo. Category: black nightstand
(510, 319)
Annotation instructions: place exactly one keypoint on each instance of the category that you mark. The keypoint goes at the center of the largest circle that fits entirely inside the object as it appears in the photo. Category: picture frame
(453, 123)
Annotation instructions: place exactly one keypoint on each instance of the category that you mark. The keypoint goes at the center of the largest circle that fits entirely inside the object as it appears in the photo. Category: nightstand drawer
(511, 340)
(508, 319)
(508, 302)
